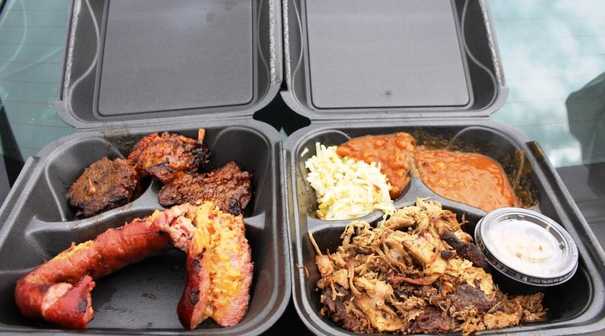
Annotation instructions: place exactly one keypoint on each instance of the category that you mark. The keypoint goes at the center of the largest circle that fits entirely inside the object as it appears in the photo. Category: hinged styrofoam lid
(363, 59)
(146, 61)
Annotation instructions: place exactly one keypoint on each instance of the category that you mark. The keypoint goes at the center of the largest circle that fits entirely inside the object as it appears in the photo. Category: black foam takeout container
(136, 67)
(430, 68)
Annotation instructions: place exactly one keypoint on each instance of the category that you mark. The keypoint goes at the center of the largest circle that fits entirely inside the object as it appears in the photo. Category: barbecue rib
(228, 187)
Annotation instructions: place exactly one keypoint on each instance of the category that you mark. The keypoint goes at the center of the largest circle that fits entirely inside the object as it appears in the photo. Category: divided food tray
(577, 305)
(142, 298)
(133, 68)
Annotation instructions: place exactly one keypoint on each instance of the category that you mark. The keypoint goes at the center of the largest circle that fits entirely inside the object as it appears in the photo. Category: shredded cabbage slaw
(346, 188)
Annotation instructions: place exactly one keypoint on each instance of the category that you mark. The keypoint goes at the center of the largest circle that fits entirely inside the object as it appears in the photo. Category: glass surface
(32, 40)
(553, 54)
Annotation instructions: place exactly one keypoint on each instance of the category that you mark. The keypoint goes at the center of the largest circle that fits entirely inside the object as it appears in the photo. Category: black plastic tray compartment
(574, 306)
(142, 298)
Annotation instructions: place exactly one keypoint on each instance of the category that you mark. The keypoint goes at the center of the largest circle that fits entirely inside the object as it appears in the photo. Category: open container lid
(357, 59)
(140, 62)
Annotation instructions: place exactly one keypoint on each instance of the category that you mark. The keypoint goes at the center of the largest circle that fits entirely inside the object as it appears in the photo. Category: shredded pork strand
(403, 276)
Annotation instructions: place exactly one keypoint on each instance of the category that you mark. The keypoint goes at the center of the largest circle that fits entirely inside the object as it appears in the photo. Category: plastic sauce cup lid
(527, 246)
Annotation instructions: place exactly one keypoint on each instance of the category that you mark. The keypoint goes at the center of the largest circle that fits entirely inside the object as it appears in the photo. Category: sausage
(69, 306)
(219, 270)
(59, 291)
(219, 267)
(232, 280)
(192, 307)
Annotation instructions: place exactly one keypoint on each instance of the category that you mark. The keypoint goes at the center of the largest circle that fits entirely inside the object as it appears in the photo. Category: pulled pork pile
(416, 272)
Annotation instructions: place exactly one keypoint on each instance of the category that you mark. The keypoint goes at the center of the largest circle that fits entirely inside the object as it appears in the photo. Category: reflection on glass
(551, 49)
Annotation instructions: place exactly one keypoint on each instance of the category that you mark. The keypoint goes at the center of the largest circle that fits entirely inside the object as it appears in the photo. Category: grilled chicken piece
(163, 155)
(418, 246)
(380, 319)
(104, 185)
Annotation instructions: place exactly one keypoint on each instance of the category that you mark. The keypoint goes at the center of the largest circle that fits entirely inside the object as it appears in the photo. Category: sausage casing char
(218, 265)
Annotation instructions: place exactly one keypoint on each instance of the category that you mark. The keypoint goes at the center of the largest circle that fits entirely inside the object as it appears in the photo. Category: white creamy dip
(526, 247)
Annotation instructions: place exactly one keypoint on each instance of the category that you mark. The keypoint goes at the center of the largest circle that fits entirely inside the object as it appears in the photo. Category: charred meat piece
(166, 154)
(228, 187)
(468, 251)
(394, 152)
(335, 308)
(104, 185)
(432, 321)
(469, 297)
